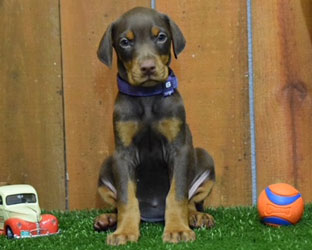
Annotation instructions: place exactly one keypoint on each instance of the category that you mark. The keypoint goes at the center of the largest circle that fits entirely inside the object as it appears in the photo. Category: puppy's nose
(148, 67)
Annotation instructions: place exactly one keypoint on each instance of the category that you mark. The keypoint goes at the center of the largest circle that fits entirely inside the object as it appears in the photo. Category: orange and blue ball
(280, 205)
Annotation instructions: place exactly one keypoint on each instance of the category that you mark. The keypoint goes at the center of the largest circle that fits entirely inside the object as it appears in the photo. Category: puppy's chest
(148, 120)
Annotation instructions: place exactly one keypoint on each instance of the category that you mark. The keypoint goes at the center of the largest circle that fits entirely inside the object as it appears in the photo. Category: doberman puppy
(155, 173)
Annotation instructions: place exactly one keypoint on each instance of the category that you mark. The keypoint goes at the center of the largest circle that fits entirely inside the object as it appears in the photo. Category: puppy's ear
(105, 50)
(178, 40)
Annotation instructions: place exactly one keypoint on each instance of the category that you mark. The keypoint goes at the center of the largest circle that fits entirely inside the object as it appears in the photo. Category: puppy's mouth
(151, 81)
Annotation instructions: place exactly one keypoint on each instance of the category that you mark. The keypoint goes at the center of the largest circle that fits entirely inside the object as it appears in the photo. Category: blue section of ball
(281, 200)
(276, 221)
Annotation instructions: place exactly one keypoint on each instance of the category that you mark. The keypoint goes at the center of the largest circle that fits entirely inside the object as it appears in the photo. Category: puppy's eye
(162, 37)
(125, 43)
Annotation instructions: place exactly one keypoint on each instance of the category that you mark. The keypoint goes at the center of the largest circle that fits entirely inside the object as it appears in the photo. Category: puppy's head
(142, 39)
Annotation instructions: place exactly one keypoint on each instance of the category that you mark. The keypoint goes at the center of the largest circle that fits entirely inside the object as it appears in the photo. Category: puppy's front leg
(128, 213)
(176, 216)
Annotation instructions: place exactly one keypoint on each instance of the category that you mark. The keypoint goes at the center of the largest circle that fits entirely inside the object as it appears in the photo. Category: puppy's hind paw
(201, 220)
(105, 222)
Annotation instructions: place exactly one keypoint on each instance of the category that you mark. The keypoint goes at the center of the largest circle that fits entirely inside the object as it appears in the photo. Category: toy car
(20, 214)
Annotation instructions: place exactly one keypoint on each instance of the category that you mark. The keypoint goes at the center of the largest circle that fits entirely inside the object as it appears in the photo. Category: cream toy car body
(20, 214)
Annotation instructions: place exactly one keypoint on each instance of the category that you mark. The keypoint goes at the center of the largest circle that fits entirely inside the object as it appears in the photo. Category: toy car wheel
(9, 233)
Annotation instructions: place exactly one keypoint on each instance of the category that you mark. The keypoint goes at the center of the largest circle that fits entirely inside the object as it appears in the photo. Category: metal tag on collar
(168, 88)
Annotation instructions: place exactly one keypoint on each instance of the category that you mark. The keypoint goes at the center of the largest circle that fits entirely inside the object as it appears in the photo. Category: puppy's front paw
(176, 236)
(116, 239)
(198, 219)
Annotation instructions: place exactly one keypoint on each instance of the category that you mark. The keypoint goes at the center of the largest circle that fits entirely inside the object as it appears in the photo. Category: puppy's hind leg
(200, 189)
(107, 191)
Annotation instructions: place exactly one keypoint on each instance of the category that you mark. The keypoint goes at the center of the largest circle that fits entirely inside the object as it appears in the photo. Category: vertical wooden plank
(283, 85)
(90, 90)
(31, 115)
(212, 72)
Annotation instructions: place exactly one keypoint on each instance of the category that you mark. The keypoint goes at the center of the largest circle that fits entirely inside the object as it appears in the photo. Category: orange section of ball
(283, 189)
(292, 212)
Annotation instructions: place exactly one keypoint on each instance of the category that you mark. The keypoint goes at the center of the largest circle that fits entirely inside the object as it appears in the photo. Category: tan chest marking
(126, 131)
(170, 128)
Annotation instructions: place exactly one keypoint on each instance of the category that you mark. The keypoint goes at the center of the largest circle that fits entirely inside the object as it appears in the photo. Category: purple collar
(165, 89)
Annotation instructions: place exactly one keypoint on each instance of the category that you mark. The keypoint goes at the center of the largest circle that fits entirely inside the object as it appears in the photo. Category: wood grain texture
(31, 114)
(283, 85)
(212, 73)
(90, 90)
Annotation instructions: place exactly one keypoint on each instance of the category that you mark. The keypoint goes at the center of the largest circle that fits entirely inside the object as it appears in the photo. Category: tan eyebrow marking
(130, 35)
(155, 31)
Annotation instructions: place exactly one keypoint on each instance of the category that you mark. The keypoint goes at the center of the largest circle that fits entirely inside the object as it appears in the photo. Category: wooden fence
(56, 98)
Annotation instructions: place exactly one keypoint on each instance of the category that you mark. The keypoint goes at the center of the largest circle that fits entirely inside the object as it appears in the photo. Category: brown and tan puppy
(155, 173)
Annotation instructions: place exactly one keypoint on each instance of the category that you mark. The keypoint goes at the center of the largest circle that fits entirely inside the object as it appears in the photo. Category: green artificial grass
(236, 228)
